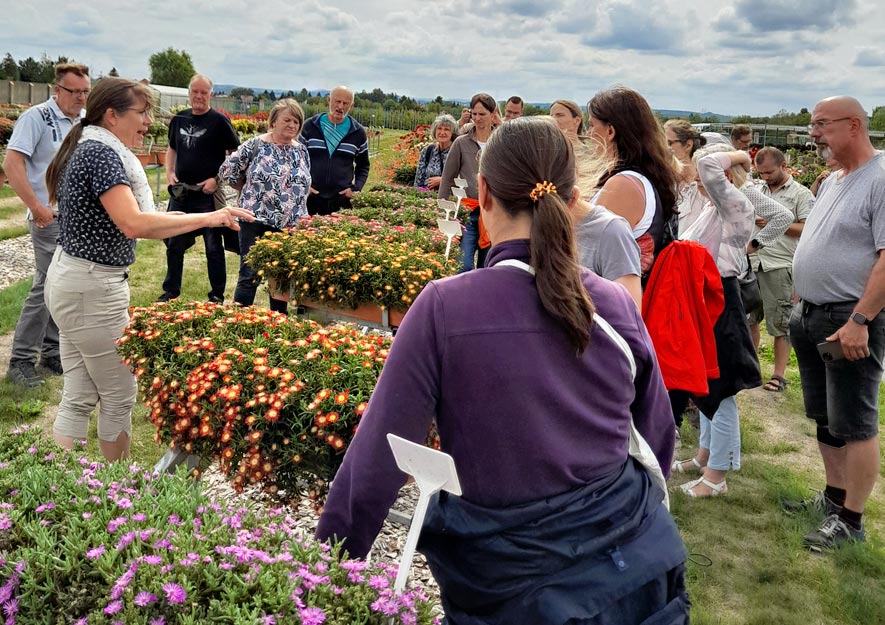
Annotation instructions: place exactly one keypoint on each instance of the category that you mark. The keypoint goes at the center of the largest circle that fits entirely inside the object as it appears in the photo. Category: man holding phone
(837, 330)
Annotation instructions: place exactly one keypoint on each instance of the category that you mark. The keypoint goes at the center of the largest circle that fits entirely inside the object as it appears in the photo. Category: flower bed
(92, 543)
(275, 399)
(345, 261)
(398, 206)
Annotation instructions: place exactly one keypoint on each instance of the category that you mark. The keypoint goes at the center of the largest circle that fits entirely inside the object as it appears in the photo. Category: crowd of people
(614, 271)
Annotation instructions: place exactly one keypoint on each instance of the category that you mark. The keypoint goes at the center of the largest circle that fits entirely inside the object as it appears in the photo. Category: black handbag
(751, 296)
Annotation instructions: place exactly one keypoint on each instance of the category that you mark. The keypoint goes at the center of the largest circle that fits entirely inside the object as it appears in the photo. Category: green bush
(87, 542)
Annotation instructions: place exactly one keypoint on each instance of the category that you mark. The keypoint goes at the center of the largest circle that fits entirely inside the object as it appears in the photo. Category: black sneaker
(833, 533)
(214, 299)
(819, 503)
(52, 364)
(167, 297)
(24, 374)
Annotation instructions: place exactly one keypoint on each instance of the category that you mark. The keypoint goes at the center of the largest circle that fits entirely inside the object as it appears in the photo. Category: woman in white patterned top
(273, 171)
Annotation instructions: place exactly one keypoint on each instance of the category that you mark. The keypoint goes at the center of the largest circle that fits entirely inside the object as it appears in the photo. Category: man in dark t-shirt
(199, 140)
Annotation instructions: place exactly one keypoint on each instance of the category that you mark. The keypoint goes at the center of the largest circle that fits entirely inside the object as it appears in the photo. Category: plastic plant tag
(448, 206)
(433, 471)
(449, 228)
(460, 182)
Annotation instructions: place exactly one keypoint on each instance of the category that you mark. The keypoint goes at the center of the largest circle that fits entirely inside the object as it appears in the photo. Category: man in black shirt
(199, 140)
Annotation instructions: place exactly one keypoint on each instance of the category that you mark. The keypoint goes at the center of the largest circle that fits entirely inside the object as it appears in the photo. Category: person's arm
(450, 171)
(633, 284)
(622, 196)
(234, 168)
(122, 208)
(651, 409)
(726, 197)
(404, 403)
(17, 173)
(362, 166)
(171, 178)
(421, 170)
(804, 207)
(855, 336)
(815, 186)
(777, 217)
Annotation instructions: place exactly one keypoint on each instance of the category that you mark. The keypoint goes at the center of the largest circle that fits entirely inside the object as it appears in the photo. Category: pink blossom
(95, 553)
(113, 607)
(143, 599)
(174, 593)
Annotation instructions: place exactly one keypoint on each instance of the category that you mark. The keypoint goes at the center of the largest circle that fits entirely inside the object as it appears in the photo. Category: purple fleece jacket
(523, 416)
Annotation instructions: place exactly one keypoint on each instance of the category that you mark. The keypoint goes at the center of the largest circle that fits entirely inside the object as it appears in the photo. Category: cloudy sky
(732, 57)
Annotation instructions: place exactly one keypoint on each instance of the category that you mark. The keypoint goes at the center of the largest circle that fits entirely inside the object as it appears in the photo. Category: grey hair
(197, 77)
(445, 120)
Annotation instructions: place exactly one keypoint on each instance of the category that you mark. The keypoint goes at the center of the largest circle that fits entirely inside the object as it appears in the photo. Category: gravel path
(16, 260)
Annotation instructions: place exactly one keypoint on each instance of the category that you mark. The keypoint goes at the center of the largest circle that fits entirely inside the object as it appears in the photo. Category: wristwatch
(859, 318)
(756, 244)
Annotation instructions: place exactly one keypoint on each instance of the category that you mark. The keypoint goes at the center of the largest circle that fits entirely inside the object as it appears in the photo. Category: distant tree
(32, 70)
(236, 92)
(302, 95)
(9, 68)
(877, 122)
(390, 103)
(114, 72)
(171, 67)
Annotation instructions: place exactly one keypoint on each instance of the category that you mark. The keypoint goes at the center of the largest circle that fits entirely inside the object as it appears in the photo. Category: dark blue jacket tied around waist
(605, 552)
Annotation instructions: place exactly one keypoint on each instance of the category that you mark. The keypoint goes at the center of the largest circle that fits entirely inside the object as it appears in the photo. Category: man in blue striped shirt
(339, 155)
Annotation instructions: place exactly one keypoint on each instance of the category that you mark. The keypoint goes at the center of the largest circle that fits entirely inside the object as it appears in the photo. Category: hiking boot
(24, 374)
(819, 503)
(52, 364)
(167, 297)
(214, 299)
(832, 533)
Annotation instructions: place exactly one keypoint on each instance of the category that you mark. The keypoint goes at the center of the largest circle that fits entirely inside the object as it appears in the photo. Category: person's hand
(823, 175)
(761, 222)
(313, 191)
(465, 116)
(433, 182)
(348, 192)
(43, 215)
(230, 216)
(171, 178)
(855, 340)
(208, 186)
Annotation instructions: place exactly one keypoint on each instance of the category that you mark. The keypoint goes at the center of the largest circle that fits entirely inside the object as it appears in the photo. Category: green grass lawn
(747, 565)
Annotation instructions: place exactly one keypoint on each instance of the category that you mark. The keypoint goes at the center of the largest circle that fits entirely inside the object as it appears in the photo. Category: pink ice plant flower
(144, 599)
(174, 593)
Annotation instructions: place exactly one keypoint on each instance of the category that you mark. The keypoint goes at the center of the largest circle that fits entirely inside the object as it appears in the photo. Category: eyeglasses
(821, 124)
(75, 92)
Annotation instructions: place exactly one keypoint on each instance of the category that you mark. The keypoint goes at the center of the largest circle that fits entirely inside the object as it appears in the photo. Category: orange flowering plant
(345, 261)
(275, 399)
(408, 150)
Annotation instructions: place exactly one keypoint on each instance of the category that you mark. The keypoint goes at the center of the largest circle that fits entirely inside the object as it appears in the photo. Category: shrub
(346, 262)
(275, 399)
(87, 542)
(5, 130)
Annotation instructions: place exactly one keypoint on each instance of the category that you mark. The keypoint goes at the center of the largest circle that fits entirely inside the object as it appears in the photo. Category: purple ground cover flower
(144, 598)
(95, 552)
(113, 607)
(312, 616)
(174, 593)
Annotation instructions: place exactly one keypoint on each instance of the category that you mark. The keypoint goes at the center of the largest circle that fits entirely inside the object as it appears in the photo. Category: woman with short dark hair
(527, 368)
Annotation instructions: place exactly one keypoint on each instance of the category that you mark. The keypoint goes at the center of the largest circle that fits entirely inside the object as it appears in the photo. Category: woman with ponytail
(104, 205)
(533, 392)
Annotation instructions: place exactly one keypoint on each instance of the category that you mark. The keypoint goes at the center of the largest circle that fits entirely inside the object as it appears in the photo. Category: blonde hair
(738, 174)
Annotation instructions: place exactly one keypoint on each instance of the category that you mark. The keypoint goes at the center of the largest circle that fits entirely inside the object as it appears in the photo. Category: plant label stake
(433, 471)
(448, 206)
(461, 182)
(460, 194)
(451, 229)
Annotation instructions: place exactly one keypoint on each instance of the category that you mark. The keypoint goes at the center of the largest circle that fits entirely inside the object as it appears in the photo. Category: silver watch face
(859, 318)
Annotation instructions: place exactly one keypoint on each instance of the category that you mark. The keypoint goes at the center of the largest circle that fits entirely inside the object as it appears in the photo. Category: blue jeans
(722, 436)
(470, 244)
(246, 285)
(195, 202)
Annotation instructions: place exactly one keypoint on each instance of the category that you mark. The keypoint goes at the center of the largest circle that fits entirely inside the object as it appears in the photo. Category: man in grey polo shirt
(36, 138)
(773, 263)
(837, 329)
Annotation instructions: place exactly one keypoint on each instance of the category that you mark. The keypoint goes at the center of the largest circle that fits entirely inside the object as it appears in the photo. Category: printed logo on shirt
(49, 119)
(191, 134)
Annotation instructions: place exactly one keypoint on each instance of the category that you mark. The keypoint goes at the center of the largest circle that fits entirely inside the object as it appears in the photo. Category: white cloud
(740, 56)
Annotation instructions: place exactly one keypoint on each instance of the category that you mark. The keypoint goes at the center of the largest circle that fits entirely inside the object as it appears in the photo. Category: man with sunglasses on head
(199, 140)
(36, 138)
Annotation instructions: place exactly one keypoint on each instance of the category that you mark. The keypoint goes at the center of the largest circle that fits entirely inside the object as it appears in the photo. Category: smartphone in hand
(830, 351)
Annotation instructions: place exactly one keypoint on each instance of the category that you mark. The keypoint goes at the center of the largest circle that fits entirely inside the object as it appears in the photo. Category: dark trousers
(195, 202)
(318, 205)
(246, 285)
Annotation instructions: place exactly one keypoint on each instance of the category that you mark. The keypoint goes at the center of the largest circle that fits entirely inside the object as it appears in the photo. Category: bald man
(837, 330)
(339, 155)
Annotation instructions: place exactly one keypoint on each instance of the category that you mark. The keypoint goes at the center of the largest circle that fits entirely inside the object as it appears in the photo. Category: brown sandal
(776, 384)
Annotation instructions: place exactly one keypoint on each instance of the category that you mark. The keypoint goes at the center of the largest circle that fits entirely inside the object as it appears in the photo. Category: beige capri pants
(89, 303)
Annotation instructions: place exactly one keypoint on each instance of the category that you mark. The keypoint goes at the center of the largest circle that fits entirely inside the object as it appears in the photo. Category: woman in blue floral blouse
(273, 172)
(433, 157)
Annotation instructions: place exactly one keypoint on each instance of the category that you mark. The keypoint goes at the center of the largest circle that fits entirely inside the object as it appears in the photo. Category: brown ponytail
(114, 93)
(519, 155)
